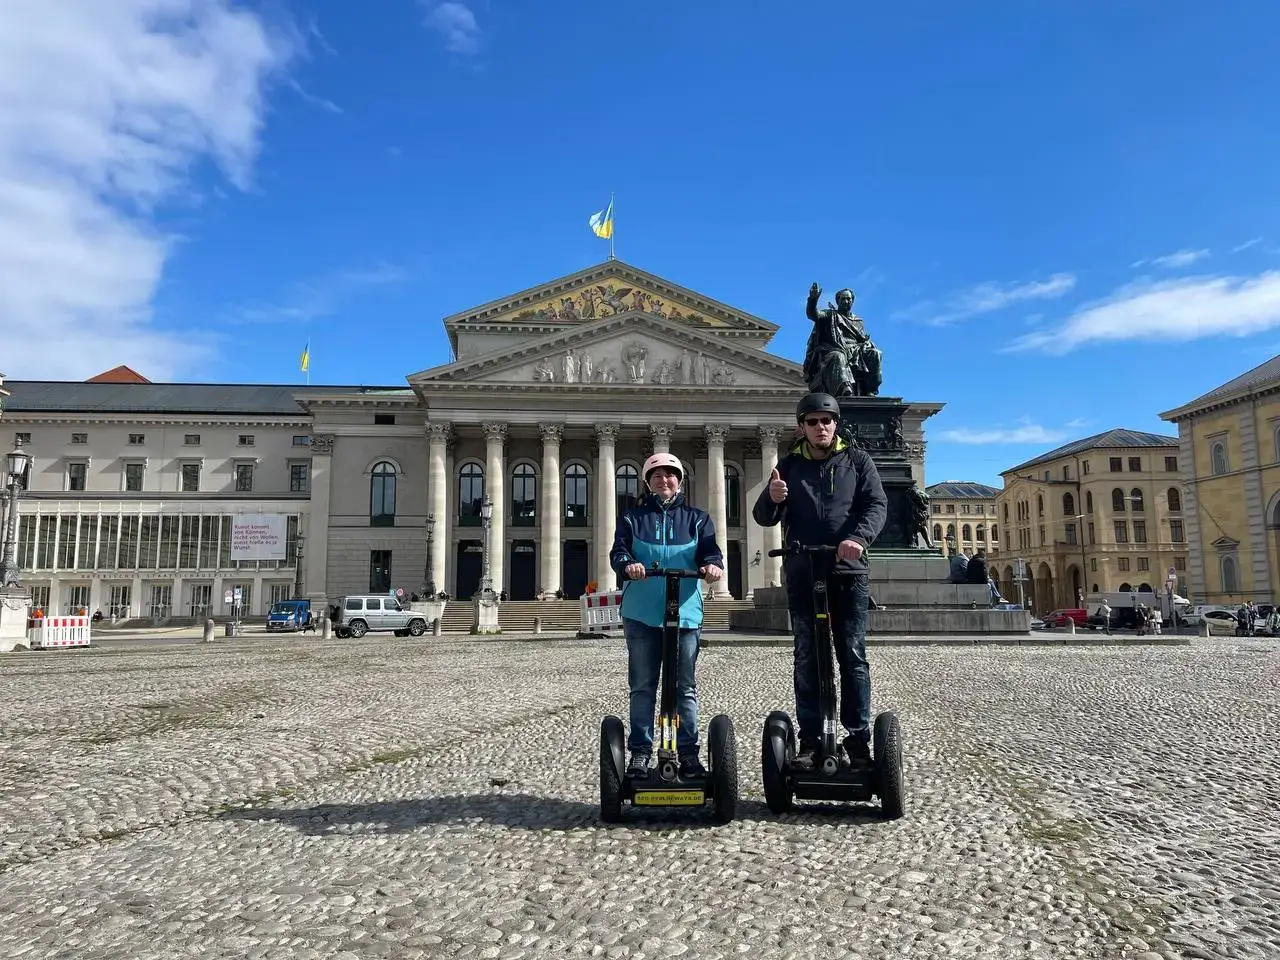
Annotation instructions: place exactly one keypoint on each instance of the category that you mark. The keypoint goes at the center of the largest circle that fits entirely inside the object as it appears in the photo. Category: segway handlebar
(796, 548)
(678, 572)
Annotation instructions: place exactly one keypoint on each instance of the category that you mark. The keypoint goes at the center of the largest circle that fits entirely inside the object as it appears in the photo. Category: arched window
(732, 497)
(1218, 459)
(1117, 500)
(575, 495)
(1068, 505)
(995, 534)
(1230, 582)
(951, 530)
(1144, 588)
(1095, 588)
(966, 532)
(524, 496)
(626, 487)
(382, 495)
(982, 534)
(937, 532)
(1125, 588)
(470, 494)
(1088, 501)
(1135, 499)
(1175, 500)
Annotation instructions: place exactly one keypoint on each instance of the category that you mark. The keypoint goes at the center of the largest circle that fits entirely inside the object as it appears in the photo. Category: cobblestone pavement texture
(439, 798)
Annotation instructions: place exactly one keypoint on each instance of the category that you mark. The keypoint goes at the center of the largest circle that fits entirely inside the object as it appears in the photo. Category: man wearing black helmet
(826, 491)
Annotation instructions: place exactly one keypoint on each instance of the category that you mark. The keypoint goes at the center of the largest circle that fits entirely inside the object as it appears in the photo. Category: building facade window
(966, 533)
(1175, 500)
(937, 532)
(1122, 531)
(299, 477)
(380, 570)
(1117, 500)
(191, 478)
(1139, 531)
(1230, 578)
(1176, 533)
(626, 487)
(575, 495)
(1068, 505)
(1135, 464)
(1115, 464)
(77, 472)
(732, 497)
(382, 495)
(1171, 464)
(133, 474)
(244, 478)
(524, 496)
(1088, 501)
(470, 494)
(1135, 499)
(1071, 534)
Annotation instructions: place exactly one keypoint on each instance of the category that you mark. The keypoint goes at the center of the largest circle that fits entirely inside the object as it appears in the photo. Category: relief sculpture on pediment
(600, 301)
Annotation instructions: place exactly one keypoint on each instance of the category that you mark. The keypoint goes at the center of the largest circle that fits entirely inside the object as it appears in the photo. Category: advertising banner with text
(259, 536)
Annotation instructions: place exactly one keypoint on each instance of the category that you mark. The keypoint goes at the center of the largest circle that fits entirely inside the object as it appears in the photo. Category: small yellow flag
(306, 357)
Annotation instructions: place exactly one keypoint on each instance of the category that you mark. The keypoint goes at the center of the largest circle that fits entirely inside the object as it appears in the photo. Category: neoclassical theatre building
(555, 397)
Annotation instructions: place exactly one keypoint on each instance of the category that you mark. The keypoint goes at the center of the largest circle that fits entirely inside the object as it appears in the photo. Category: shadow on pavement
(519, 811)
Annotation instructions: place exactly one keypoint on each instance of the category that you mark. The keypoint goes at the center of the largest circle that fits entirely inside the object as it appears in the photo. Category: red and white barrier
(601, 614)
(49, 633)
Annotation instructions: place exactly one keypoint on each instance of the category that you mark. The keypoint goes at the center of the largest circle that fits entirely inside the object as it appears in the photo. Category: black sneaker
(691, 767)
(807, 757)
(639, 765)
(858, 750)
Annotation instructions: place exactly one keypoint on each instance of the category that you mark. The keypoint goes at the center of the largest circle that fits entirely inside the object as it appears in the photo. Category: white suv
(358, 615)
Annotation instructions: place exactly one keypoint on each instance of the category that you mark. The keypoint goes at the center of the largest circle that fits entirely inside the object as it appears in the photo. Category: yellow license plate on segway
(668, 798)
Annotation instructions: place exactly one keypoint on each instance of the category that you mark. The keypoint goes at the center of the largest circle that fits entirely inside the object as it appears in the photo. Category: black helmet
(817, 403)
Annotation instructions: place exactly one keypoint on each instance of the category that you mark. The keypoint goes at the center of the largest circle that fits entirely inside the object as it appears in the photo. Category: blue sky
(1058, 217)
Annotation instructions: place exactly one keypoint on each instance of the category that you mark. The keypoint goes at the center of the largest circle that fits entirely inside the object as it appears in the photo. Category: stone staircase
(563, 616)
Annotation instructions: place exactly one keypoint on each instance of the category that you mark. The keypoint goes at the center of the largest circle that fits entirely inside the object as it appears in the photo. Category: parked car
(1060, 618)
(288, 615)
(358, 615)
(1122, 618)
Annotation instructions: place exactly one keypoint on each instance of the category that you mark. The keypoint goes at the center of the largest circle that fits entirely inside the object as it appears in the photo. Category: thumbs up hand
(777, 487)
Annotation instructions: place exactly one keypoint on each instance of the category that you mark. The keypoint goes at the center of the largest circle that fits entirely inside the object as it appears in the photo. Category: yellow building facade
(1098, 515)
(1229, 446)
(965, 512)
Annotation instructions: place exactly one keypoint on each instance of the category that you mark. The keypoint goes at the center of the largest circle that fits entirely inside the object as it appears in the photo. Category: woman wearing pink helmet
(664, 530)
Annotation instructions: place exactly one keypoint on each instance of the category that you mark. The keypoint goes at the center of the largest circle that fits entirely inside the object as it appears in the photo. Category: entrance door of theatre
(470, 564)
(734, 571)
(573, 568)
(522, 580)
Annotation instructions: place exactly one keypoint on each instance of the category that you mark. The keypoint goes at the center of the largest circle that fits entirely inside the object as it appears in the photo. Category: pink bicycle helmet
(662, 460)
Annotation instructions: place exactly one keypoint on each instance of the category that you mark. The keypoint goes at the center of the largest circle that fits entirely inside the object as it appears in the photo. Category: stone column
(662, 435)
(606, 503)
(552, 433)
(716, 437)
(315, 557)
(495, 471)
(438, 499)
(771, 566)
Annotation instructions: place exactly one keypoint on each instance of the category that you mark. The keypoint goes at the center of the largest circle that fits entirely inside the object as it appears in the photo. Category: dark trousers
(847, 604)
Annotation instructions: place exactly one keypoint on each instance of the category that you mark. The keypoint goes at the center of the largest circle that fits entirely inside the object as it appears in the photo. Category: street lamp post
(429, 575)
(1080, 532)
(486, 515)
(16, 469)
(297, 563)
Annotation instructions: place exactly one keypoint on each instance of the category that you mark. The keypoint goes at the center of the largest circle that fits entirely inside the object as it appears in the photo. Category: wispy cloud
(456, 22)
(1241, 247)
(985, 298)
(321, 297)
(105, 108)
(1192, 308)
(1183, 258)
(1025, 432)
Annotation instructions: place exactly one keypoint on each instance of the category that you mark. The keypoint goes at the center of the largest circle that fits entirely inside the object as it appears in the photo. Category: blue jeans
(847, 604)
(644, 660)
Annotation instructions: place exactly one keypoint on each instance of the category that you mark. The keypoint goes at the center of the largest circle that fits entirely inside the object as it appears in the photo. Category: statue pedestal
(875, 425)
(15, 607)
(486, 606)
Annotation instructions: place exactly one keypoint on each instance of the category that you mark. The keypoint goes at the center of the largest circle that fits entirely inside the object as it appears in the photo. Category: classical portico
(556, 397)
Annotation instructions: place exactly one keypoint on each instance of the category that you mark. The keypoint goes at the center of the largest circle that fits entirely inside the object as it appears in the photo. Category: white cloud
(986, 298)
(456, 22)
(1192, 308)
(321, 297)
(1183, 258)
(105, 109)
(1023, 433)
(1241, 247)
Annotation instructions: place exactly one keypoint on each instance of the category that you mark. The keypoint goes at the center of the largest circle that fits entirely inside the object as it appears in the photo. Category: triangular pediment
(1226, 544)
(606, 290)
(626, 350)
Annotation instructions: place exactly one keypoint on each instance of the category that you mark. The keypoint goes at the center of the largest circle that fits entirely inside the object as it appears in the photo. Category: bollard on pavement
(537, 624)
(1204, 628)
(326, 628)
(435, 627)
(208, 630)
(1071, 625)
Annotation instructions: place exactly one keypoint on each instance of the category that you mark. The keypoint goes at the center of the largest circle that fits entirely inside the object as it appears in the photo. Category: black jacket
(839, 498)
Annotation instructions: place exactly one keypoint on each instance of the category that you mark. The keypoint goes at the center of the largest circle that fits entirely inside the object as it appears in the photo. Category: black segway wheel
(612, 745)
(776, 752)
(724, 767)
(887, 742)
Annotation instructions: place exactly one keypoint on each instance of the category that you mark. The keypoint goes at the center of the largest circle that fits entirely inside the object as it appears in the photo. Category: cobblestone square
(289, 797)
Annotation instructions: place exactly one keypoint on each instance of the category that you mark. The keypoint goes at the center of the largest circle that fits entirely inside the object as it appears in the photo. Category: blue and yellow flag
(306, 357)
(602, 222)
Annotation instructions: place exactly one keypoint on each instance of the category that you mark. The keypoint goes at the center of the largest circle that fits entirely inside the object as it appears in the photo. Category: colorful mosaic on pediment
(599, 301)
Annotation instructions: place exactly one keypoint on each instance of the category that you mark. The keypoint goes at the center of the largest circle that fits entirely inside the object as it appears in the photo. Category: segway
(663, 786)
(834, 776)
